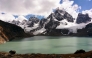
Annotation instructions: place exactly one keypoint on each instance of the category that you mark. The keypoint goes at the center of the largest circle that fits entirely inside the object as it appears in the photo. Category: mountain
(59, 22)
(10, 31)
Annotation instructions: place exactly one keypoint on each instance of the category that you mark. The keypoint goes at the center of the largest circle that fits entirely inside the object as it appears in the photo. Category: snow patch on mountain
(39, 31)
(21, 18)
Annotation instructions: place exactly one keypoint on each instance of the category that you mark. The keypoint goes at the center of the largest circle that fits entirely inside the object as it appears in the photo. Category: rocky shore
(79, 55)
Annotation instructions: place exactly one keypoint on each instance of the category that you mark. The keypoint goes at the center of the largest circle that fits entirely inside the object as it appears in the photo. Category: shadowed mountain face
(58, 23)
(89, 29)
(32, 21)
(83, 18)
(10, 31)
(60, 15)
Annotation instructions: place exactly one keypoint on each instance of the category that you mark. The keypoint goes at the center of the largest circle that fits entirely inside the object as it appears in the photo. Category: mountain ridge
(57, 23)
(9, 32)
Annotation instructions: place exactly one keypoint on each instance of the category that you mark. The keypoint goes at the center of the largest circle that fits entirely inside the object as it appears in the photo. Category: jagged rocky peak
(52, 22)
(61, 15)
(32, 21)
(83, 18)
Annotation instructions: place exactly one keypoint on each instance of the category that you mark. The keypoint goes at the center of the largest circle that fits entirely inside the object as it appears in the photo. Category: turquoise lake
(48, 44)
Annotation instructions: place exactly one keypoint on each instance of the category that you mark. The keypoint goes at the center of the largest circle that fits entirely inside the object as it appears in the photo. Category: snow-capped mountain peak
(54, 24)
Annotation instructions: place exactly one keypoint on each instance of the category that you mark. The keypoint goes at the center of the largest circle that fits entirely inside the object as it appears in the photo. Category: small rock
(12, 52)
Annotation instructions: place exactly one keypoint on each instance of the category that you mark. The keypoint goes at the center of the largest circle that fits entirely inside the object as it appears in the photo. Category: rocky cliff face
(61, 15)
(83, 18)
(10, 31)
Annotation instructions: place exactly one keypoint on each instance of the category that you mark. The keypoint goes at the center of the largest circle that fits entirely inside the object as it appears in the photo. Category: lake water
(48, 44)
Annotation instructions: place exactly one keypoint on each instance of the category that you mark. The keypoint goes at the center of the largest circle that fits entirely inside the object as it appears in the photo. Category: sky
(85, 4)
(16, 9)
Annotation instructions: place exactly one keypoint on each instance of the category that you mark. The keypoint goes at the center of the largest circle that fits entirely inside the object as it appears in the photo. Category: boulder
(12, 52)
(79, 51)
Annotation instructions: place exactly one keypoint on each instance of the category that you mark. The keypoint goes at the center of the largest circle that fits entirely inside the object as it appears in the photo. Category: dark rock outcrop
(82, 18)
(60, 15)
(32, 21)
(42, 22)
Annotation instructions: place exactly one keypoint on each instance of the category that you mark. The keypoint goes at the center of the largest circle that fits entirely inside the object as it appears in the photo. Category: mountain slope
(10, 31)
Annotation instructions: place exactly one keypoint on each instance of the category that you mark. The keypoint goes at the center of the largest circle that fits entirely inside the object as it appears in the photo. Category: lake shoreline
(38, 55)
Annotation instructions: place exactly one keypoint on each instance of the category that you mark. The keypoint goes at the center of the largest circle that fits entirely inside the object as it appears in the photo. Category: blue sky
(29, 15)
(85, 4)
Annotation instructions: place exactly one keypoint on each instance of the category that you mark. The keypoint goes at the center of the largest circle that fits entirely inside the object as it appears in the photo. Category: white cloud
(21, 7)
(6, 17)
(88, 11)
(38, 7)
(10, 17)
